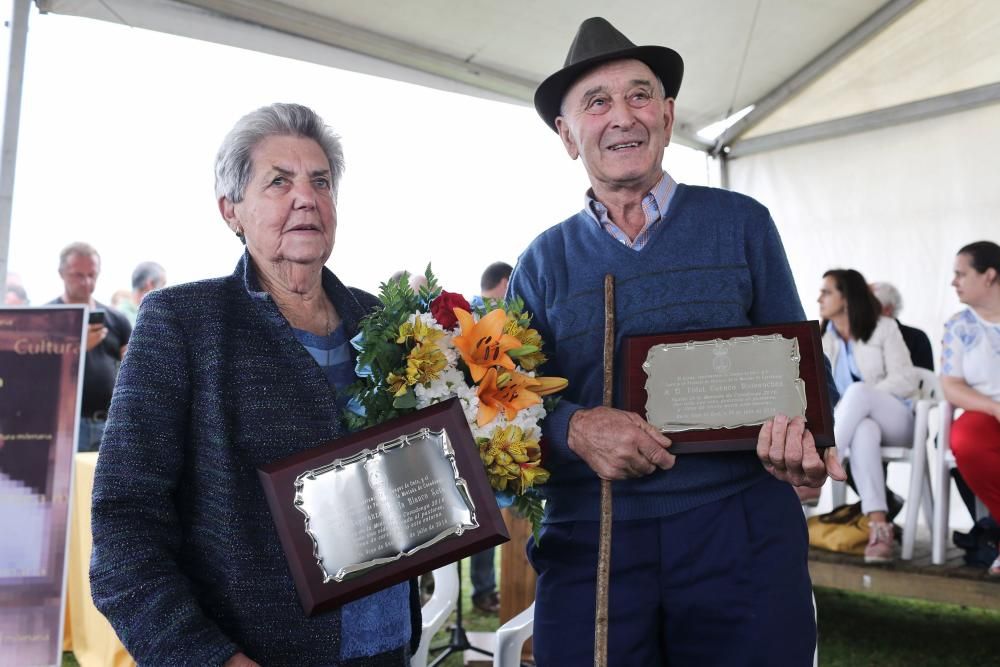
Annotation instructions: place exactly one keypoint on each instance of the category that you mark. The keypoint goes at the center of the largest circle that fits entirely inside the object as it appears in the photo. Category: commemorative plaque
(382, 506)
(711, 390)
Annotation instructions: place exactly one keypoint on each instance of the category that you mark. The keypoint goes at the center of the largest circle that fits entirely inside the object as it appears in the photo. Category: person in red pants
(970, 372)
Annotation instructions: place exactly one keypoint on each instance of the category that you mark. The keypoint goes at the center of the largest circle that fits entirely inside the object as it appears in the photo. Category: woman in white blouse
(875, 378)
(970, 372)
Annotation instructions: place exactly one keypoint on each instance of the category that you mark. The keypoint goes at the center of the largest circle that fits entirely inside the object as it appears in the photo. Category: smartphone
(96, 317)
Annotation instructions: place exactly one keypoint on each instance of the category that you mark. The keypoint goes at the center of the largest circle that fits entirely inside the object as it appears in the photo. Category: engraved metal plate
(723, 383)
(383, 504)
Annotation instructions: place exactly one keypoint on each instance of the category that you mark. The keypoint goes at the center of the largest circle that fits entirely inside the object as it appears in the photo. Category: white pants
(865, 419)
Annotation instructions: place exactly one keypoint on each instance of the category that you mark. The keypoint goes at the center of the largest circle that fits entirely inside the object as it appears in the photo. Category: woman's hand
(240, 660)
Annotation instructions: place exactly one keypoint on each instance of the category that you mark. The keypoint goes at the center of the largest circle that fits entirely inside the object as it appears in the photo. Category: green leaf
(407, 401)
(532, 508)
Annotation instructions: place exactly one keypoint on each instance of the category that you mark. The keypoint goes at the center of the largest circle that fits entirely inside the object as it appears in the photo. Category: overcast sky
(119, 129)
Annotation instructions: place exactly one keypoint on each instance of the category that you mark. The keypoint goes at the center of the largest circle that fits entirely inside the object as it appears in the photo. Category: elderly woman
(970, 373)
(221, 377)
(875, 378)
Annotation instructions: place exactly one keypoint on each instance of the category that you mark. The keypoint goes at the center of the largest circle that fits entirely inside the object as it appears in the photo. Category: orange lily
(512, 395)
(483, 344)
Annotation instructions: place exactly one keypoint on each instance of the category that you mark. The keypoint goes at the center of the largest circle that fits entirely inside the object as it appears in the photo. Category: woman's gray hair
(889, 297)
(233, 165)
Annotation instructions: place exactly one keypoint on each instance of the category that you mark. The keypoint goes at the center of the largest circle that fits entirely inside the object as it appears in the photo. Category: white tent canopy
(872, 137)
(736, 52)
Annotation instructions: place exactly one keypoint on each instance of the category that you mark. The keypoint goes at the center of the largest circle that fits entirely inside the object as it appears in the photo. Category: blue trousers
(722, 584)
(483, 574)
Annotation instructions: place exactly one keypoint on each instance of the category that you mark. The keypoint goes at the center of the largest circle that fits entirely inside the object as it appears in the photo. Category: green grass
(855, 630)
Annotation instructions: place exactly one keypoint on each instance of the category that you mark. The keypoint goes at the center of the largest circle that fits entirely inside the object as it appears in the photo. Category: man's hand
(240, 660)
(617, 444)
(95, 334)
(788, 451)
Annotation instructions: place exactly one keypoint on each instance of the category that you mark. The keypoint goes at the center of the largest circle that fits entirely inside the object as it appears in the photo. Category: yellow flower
(423, 365)
(531, 474)
(511, 460)
(483, 344)
(509, 391)
(397, 384)
(529, 355)
(419, 332)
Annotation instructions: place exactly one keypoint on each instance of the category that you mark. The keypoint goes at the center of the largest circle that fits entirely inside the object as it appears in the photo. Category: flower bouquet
(427, 346)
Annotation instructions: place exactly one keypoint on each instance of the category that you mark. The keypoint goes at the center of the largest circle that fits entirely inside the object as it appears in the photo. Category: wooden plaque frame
(278, 480)
(812, 370)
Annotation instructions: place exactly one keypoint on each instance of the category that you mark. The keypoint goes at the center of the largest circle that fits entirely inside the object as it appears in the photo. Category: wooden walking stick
(604, 545)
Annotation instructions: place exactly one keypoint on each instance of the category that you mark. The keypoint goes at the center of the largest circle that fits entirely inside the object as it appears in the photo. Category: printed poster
(40, 379)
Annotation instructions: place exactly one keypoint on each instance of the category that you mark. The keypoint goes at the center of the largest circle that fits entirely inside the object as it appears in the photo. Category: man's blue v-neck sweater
(716, 260)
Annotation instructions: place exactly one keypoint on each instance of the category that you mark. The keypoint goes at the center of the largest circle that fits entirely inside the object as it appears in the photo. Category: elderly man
(708, 561)
(107, 336)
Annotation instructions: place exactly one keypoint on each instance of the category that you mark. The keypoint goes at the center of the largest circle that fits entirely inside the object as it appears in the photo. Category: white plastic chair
(436, 610)
(916, 455)
(944, 462)
(511, 637)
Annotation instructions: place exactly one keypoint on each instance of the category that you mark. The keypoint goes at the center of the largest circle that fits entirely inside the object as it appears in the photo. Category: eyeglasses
(599, 105)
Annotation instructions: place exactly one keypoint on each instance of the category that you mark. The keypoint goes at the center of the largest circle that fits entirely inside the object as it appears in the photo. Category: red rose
(441, 308)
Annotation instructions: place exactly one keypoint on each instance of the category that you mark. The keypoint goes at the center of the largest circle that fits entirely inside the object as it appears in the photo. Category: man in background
(916, 340)
(494, 281)
(16, 294)
(146, 277)
(107, 337)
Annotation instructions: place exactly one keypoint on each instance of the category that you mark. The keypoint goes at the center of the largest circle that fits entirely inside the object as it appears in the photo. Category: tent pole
(11, 122)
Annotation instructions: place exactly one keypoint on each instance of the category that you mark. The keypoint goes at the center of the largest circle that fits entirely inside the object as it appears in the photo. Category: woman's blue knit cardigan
(187, 565)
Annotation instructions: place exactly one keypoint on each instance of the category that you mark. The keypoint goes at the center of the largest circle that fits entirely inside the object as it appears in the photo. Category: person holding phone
(108, 333)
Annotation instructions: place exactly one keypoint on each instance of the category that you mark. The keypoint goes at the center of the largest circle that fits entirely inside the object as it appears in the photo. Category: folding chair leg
(838, 491)
(942, 485)
(918, 492)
